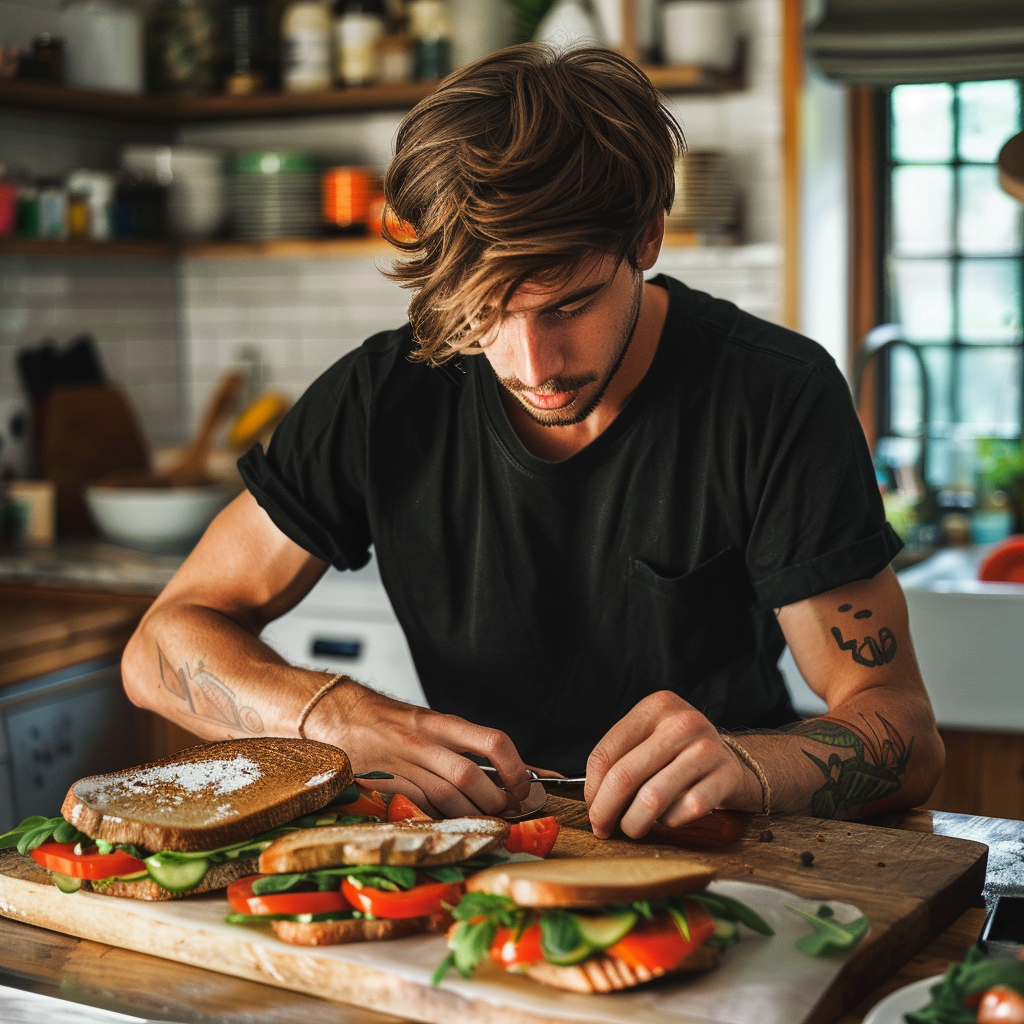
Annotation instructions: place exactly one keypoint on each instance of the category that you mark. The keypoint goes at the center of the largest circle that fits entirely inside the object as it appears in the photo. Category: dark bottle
(250, 67)
(184, 47)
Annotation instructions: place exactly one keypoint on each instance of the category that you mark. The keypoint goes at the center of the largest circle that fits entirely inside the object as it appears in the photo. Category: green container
(267, 162)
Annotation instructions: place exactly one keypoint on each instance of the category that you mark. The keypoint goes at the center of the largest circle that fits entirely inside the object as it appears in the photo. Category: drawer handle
(349, 650)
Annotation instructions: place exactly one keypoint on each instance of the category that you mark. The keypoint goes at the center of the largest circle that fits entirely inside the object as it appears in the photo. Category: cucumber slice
(176, 875)
(560, 939)
(65, 883)
(600, 931)
(569, 957)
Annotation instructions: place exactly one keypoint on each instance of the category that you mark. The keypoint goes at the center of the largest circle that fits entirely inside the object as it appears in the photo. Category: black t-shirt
(548, 598)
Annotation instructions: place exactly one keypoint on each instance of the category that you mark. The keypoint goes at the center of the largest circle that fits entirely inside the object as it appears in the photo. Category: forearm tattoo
(868, 652)
(206, 696)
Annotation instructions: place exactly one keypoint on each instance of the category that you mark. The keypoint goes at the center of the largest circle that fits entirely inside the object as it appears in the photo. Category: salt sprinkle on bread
(210, 795)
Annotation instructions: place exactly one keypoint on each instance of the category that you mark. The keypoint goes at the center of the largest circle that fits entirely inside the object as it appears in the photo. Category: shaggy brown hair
(522, 166)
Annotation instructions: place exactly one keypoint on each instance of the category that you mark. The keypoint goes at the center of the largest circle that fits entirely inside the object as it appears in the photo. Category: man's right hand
(424, 749)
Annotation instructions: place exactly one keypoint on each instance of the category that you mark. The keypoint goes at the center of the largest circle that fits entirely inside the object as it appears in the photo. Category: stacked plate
(705, 195)
(275, 195)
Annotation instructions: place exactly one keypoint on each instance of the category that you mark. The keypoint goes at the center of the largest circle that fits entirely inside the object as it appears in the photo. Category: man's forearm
(873, 753)
(211, 675)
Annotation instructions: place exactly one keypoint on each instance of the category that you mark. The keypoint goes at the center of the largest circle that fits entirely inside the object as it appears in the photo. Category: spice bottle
(306, 46)
(358, 28)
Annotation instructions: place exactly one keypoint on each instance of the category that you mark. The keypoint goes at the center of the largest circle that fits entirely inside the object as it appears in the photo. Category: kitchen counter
(80, 971)
(90, 565)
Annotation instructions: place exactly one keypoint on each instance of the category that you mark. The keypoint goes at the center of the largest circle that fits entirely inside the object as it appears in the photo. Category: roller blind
(888, 42)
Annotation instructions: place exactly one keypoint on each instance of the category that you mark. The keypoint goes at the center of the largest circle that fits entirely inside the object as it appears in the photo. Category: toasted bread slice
(417, 844)
(591, 882)
(211, 795)
(219, 876)
(609, 974)
(331, 933)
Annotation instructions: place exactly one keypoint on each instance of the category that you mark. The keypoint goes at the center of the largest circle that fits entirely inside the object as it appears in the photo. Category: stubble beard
(574, 413)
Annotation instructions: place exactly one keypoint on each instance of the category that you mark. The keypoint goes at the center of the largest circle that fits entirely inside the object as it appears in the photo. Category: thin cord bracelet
(315, 699)
(744, 755)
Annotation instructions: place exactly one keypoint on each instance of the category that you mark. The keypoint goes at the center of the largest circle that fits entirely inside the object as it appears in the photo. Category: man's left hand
(663, 762)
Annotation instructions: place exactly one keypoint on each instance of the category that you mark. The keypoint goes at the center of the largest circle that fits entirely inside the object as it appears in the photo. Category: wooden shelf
(114, 249)
(233, 249)
(40, 96)
(169, 110)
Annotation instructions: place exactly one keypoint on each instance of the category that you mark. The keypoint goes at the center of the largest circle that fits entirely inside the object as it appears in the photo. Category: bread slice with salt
(591, 882)
(331, 933)
(413, 844)
(210, 795)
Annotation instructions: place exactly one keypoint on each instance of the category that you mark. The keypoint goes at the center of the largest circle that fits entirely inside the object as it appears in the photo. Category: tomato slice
(416, 902)
(537, 836)
(509, 952)
(91, 865)
(402, 808)
(1001, 1005)
(369, 801)
(659, 945)
(245, 901)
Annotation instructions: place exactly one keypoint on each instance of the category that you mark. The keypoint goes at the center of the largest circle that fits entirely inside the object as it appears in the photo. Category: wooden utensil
(190, 469)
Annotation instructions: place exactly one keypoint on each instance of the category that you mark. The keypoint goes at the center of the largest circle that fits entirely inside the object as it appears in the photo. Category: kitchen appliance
(58, 728)
(346, 624)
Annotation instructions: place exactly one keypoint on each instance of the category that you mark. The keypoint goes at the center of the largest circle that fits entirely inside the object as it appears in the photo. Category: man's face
(556, 348)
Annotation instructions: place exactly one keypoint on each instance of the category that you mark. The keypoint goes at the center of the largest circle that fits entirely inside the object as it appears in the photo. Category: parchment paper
(761, 981)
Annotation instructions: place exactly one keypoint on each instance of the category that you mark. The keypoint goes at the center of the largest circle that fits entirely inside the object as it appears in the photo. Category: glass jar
(183, 47)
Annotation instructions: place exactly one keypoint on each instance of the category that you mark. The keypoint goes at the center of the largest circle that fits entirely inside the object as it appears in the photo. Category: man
(599, 506)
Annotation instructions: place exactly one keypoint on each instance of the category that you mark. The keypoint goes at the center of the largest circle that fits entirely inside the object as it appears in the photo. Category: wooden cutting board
(911, 885)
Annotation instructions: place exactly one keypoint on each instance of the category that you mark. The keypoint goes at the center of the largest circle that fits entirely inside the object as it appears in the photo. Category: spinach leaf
(483, 904)
(559, 933)
(828, 934)
(445, 873)
(478, 917)
(36, 830)
(373, 775)
(729, 909)
(270, 884)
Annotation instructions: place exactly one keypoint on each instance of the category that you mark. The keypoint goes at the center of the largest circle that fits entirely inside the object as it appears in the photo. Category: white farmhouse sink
(969, 639)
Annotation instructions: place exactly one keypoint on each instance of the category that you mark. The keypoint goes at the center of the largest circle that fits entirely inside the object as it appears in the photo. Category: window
(954, 266)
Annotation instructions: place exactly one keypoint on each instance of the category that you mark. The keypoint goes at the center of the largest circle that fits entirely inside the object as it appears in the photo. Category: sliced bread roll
(609, 974)
(415, 844)
(330, 933)
(591, 882)
(210, 795)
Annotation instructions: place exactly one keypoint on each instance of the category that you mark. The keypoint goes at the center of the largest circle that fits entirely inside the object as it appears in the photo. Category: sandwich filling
(72, 857)
(368, 892)
(654, 936)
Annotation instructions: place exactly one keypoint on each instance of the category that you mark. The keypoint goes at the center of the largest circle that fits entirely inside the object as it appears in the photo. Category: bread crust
(591, 882)
(219, 876)
(610, 974)
(210, 795)
(412, 844)
(332, 933)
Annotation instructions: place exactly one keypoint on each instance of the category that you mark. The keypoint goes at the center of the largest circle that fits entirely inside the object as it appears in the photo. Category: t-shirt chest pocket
(683, 628)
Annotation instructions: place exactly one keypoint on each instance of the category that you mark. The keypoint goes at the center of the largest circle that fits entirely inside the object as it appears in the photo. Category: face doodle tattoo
(868, 652)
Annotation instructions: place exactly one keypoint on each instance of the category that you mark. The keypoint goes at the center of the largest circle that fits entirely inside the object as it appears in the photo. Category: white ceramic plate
(904, 1000)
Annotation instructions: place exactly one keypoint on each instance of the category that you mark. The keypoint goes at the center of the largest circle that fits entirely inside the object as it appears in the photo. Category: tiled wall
(129, 306)
(302, 315)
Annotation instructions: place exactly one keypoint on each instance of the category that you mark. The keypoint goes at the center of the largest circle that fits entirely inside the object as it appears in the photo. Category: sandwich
(595, 925)
(192, 822)
(354, 883)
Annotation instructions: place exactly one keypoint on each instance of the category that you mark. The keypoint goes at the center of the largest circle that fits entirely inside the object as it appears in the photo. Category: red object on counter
(536, 836)
(1006, 563)
(346, 193)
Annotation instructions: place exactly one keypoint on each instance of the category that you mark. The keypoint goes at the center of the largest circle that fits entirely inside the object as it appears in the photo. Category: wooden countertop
(45, 630)
(117, 979)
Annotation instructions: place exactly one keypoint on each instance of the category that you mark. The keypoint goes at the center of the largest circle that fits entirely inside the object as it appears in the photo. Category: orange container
(346, 193)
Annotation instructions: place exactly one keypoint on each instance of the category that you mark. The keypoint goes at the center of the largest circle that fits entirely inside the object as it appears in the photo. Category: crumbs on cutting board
(766, 836)
(806, 858)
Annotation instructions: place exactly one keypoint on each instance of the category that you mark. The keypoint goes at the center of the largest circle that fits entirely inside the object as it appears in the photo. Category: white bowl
(156, 519)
